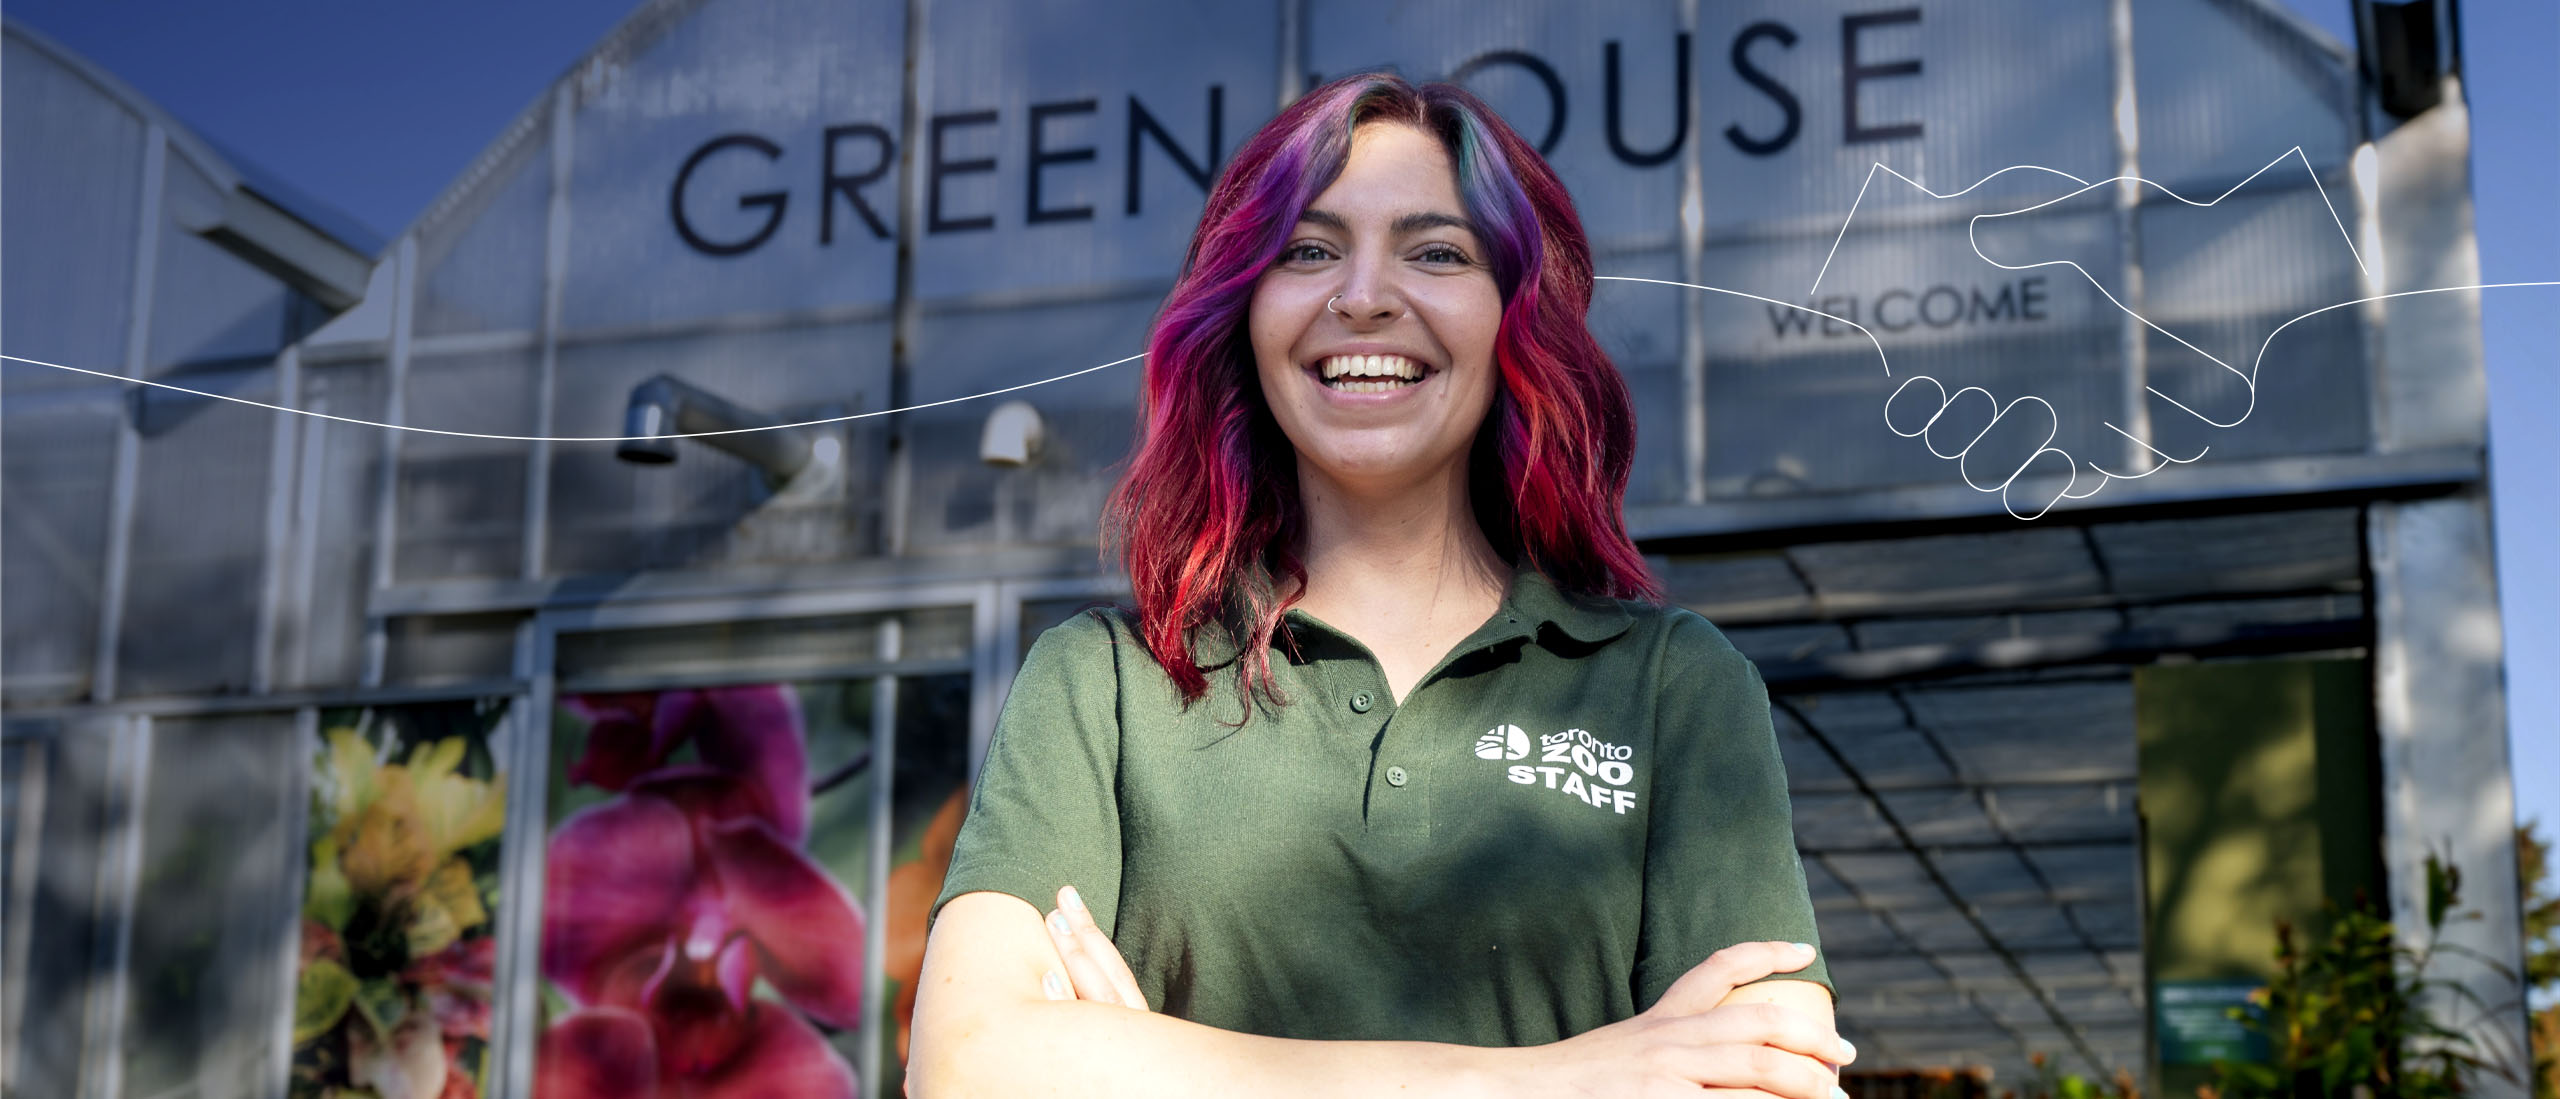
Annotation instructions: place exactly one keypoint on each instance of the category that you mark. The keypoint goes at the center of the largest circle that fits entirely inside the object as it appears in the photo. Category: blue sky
(374, 107)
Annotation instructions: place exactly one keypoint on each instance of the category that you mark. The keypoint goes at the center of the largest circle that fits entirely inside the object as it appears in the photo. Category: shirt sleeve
(1720, 854)
(1044, 811)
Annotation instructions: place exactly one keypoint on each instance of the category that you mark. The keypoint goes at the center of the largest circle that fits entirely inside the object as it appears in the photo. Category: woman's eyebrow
(1415, 223)
(1410, 223)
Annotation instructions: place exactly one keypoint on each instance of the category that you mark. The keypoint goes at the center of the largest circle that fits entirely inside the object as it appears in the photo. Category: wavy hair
(1207, 519)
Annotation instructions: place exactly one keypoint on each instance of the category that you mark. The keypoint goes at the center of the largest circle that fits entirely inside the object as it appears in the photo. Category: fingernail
(1848, 1052)
(1058, 923)
(1056, 986)
(1069, 898)
(1838, 1093)
(1805, 949)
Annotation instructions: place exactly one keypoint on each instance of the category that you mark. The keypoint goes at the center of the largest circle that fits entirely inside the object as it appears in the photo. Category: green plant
(2541, 954)
(2053, 1084)
(2346, 1012)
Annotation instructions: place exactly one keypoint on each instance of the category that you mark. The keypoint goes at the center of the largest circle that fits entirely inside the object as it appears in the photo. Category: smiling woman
(1379, 440)
(1380, 282)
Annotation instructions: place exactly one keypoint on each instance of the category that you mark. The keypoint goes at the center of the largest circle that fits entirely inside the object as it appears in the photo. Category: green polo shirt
(1581, 802)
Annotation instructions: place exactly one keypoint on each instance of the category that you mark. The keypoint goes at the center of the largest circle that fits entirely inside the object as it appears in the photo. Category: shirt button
(1360, 702)
(1395, 776)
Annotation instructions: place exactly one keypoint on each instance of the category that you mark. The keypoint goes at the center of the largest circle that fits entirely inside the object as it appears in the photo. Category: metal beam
(1886, 667)
(2023, 597)
(555, 264)
(282, 245)
(885, 575)
(2094, 777)
(124, 483)
(273, 563)
(2446, 780)
(2096, 950)
(1951, 507)
(386, 514)
(2125, 841)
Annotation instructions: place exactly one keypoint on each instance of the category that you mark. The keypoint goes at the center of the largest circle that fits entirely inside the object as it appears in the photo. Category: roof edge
(258, 220)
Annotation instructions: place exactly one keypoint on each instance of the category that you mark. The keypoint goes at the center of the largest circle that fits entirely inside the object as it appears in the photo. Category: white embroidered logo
(1584, 766)
(1503, 742)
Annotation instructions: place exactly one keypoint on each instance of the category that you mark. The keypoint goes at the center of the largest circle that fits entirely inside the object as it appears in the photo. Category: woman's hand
(1692, 1039)
(1094, 968)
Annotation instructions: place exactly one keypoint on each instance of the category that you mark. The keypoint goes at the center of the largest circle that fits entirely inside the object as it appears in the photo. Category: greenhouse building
(2020, 385)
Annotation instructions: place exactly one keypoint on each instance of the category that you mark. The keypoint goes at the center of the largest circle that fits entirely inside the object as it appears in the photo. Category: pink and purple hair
(1207, 519)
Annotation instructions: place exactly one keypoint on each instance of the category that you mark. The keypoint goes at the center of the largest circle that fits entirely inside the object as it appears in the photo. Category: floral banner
(393, 993)
(707, 910)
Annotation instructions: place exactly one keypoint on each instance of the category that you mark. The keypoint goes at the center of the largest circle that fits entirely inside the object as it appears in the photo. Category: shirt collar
(1584, 618)
(1534, 601)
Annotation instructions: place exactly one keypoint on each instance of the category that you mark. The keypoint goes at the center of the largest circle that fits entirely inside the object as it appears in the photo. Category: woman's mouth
(1370, 373)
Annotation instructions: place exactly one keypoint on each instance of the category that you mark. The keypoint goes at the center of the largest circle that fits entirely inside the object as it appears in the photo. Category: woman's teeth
(1369, 387)
(1370, 373)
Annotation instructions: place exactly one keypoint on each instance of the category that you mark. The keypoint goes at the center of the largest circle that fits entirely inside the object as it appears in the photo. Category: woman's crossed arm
(985, 1026)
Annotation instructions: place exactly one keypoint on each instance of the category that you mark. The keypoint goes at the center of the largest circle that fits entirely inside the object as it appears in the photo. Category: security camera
(1013, 435)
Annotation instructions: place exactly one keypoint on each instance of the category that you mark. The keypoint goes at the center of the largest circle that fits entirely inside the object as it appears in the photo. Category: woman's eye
(1304, 253)
(1442, 253)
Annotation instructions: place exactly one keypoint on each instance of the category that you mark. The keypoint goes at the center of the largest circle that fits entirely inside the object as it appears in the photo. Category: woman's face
(1387, 385)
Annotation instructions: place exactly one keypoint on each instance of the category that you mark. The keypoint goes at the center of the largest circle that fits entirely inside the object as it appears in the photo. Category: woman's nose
(1369, 295)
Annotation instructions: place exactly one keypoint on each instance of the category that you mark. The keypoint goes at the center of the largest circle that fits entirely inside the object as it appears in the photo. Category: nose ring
(1328, 306)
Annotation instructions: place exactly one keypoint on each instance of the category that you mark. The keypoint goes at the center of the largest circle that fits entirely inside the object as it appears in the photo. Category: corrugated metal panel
(199, 535)
(1756, 585)
(1889, 633)
(1639, 327)
(772, 648)
(461, 500)
(1784, 643)
(2316, 608)
(989, 64)
(480, 256)
(75, 167)
(446, 649)
(1824, 821)
(2223, 279)
(1150, 93)
(1932, 817)
(1998, 733)
(780, 73)
(2046, 559)
(339, 480)
(1869, 727)
(1998, 84)
(56, 459)
(2225, 87)
(69, 213)
(2293, 549)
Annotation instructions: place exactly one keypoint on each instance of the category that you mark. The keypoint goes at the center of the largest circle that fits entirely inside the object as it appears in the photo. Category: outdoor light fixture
(667, 405)
(1013, 435)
